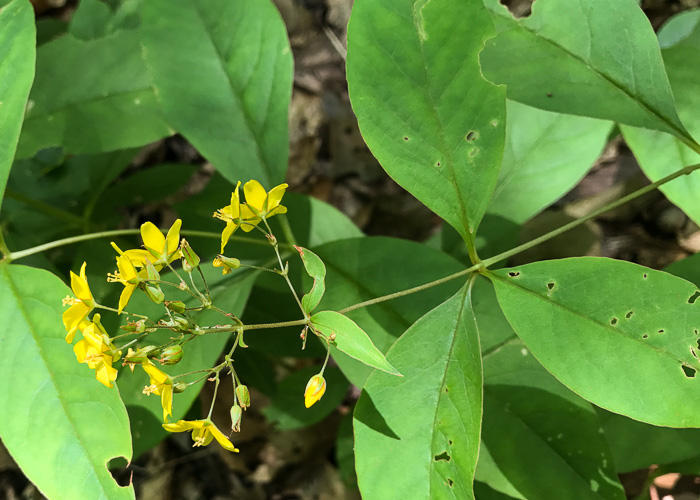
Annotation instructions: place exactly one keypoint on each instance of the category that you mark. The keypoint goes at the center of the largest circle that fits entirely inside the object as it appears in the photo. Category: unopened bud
(135, 326)
(171, 355)
(315, 388)
(271, 238)
(236, 415)
(176, 306)
(227, 263)
(141, 355)
(190, 260)
(154, 293)
(243, 396)
(179, 387)
(332, 337)
(151, 272)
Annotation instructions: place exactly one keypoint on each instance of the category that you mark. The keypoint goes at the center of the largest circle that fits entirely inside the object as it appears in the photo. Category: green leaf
(592, 58)
(315, 268)
(365, 268)
(223, 73)
(287, 410)
(662, 445)
(350, 339)
(594, 321)
(532, 423)
(111, 106)
(436, 126)
(229, 293)
(91, 20)
(418, 436)
(58, 420)
(17, 56)
(659, 154)
(546, 155)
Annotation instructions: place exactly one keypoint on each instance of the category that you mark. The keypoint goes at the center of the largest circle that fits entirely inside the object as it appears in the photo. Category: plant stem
(526, 246)
(283, 270)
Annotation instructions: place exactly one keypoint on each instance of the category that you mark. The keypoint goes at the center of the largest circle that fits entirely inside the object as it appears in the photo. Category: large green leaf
(418, 436)
(223, 74)
(58, 422)
(546, 155)
(230, 294)
(365, 268)
(436, 126)
(659, 154)
(91, 97)
(622, 336)
(593, 58)
(533, 426)
(17, 55)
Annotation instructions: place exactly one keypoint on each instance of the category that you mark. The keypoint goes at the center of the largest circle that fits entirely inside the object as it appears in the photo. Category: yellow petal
(184, 425)
(222, 439)
(172, 240)
(125, 296)
(166, 401)
(281, 209)
(106, 374)
(138, 256)
(81, 350)
(226, 234)
(158, 378)
(274, 197)
(152, 237)
(73, 316)
(255, 195)
(203, 436)
(80, 286)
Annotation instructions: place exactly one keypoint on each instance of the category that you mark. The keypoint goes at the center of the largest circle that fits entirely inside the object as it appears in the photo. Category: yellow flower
(81, 306)
(264, 204)
(315, 388)
(203, 431)
(96, 349)
(235, 215)
(161, 385)
(127, 275)
(159, 249)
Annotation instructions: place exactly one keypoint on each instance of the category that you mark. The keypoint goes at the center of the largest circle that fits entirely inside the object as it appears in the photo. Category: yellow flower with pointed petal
(203, 431)
(161, 385)
(315, 388)
(80, 306)
(96, 349)
(127, 275)
(235, 215)
(159, 249)
(264, 204)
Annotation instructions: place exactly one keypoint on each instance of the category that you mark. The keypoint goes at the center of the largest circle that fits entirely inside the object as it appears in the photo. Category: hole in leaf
(444, 456)
(629, 314)
(662, 330)
(645, 336)
(549, 94)
(514, 274)
(550, 285)
(696, 331)
(450, 441)
(694, 297)
(692, 351)
(688, 371)
(698, 343)
(613, 321)
(472, 136)
(446, 390)
(450, 482)
(645, 275)
(119, 468)
(405, 138)
(438, 164)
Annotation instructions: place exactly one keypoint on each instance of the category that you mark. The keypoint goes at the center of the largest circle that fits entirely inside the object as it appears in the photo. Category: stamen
(149, 389)
(69, 301)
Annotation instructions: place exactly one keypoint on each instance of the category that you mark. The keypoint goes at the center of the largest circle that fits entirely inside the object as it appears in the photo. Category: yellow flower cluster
(260, 205)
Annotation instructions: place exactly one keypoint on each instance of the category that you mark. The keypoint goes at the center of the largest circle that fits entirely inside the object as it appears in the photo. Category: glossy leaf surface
(436, 126)
(57, 418)
(594, 321)
(418, 436)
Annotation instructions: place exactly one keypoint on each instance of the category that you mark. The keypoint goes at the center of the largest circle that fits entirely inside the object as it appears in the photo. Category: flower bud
(135, 326)
(236, 414)
(179, 387)
(176, 306)
(190, 260)
(171, 355)
(315, 388)
(181, 323)
(151, 272)
(154, 293)
(243, 396)
(227, 263)
(141, 355)
(271, 238)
